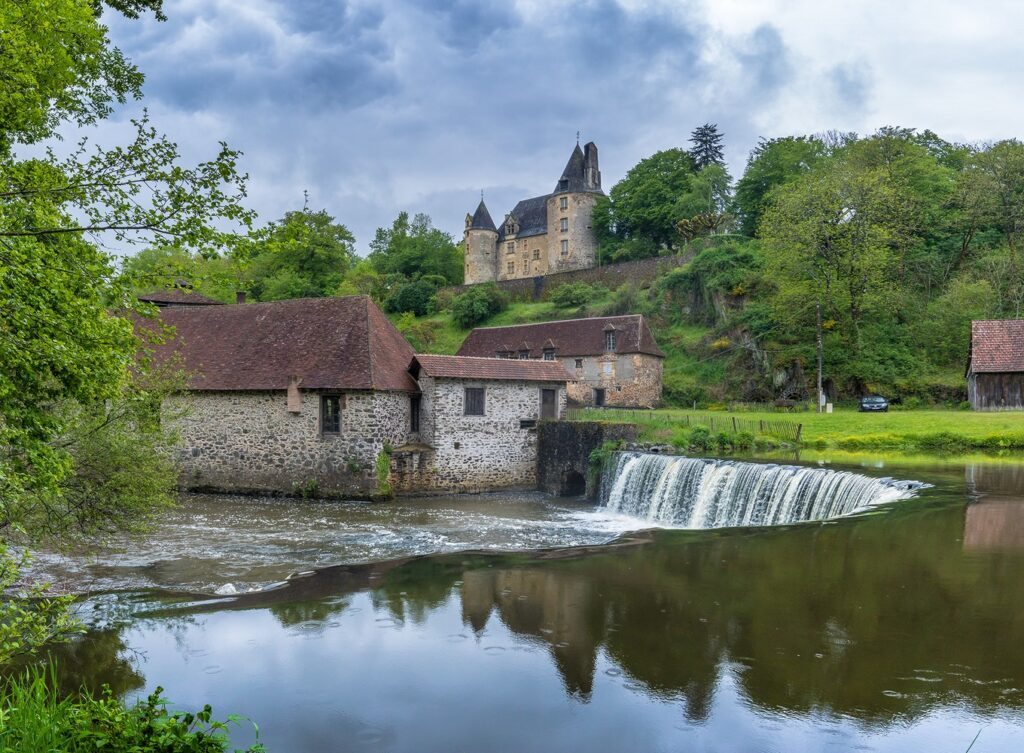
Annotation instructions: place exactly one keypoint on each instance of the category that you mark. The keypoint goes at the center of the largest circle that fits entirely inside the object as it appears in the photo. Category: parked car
(874, 404)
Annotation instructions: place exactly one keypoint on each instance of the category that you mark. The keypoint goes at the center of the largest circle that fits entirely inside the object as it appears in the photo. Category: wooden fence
(778, 429)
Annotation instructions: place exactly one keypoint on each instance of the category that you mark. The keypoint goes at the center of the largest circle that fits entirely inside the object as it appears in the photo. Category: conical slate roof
(482, 219)
(573, 178)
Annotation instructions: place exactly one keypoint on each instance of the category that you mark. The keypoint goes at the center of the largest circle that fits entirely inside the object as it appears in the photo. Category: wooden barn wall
(1001, 391)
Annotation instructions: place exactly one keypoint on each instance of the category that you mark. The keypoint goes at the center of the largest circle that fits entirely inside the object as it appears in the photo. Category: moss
(384, 471)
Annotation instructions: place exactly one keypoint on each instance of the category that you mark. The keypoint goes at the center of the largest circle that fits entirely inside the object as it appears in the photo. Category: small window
(564, 225)
(414, 413)
(473, 404)
(609, 340)
(549, 354)
(599, 398)
(523, 355)
(510, 248)
(528, 423)
(536, 253)
(565, 248)
(330, 414)
(511, 267)
(579, 363)
(563, 203)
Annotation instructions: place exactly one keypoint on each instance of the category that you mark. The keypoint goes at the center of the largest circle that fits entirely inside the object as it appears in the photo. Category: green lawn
(904, 430)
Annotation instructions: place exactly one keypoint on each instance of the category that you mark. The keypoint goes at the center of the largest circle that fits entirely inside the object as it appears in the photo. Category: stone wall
(630, 380)
(479, 255)
(249, 442)
(642, 272)
(582, 243)
(563, 453)
(474, 453)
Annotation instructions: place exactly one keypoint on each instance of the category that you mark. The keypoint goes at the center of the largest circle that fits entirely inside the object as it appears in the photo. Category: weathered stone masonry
(249, 442)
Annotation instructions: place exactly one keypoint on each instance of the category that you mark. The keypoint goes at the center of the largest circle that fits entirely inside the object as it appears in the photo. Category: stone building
(478, 427)
(614, 359)
(545, 234)
(317, 396)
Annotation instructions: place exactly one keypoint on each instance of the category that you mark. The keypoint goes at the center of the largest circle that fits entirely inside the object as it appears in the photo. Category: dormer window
(549, 354)
(523, 355)
(609, 340)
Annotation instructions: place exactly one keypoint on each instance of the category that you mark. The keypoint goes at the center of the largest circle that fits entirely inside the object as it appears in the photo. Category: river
(523, 623)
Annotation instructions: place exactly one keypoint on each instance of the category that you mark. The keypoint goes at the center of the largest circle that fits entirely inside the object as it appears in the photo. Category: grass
(929, 431)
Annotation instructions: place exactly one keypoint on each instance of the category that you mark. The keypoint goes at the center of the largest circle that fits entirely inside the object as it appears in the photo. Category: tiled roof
(997, 345)
(463, 367)
(328, 343)
(482, 218)
(571, 337)
(532, 215)
(178, 297)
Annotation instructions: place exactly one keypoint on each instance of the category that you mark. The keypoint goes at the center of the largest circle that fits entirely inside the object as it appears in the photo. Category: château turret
(480, 250)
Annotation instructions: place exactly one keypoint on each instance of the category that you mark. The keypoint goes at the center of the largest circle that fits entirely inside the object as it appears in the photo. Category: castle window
(511, 267)
(473, 404)
(565, 248)
(564, 225)
(609, 340)
(536, 253)
(563, 203)
(511, 247)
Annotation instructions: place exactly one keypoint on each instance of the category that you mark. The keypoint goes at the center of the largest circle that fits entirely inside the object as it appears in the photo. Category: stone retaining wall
(563, 453)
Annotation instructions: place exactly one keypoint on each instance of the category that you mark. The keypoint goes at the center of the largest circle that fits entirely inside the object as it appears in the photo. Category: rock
(228, 589)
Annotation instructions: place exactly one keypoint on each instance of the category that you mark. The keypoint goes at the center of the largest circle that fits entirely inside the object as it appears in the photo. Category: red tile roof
(570, 337)
(178, 297)
(329, 343)
(466, 367)
(997, 345)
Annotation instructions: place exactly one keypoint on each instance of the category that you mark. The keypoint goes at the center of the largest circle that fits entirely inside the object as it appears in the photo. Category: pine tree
(707, 146)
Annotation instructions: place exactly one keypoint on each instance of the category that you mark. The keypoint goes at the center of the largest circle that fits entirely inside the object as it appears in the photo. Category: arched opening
(573, 484)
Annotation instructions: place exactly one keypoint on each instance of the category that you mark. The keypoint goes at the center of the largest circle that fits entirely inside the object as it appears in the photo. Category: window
(536, 253)
(511, 267)
(563, 224)
(473, 404)
(510, 248)
(565, 248)
(414, 413)
(599, 398)
(523, 355)
(579, 363)
(528, 423)
(549, 354)
(609, 340)
(330, 414)
(563, 203)
(548, 403)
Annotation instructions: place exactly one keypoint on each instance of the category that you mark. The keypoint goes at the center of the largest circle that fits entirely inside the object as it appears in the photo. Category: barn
(995, 366)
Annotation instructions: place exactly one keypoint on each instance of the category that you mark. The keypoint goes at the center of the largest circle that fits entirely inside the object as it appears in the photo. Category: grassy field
(905, 430)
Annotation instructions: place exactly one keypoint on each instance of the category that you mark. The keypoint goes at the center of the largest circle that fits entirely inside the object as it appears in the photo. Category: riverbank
(907, 431)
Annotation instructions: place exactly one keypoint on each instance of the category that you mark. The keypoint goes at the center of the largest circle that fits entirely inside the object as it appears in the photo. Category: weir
(711, 493)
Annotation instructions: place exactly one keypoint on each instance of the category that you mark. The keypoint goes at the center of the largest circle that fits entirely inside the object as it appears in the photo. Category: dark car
(874, 404)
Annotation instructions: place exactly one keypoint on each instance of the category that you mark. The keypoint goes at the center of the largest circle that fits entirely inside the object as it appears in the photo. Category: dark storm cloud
(380, 106)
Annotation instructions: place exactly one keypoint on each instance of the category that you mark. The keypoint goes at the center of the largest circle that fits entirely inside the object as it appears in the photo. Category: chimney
(240, 296)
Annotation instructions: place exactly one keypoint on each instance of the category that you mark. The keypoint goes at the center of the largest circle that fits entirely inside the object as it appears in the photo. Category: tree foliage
(772, 163)
(477, 304)
(416, 249)
(706, 146)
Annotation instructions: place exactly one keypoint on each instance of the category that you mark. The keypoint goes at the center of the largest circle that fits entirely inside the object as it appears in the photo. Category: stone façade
(629, 380)
(542, 235)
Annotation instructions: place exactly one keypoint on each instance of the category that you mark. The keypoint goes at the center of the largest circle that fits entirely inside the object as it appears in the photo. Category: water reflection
(878, 630)
(994, 521)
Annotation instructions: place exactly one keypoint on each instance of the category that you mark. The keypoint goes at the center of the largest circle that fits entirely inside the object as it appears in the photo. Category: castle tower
(571, 240)
(480, 246)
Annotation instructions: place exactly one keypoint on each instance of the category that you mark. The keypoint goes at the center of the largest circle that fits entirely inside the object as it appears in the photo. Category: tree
(639, 216)
(304, 255)
(415, 249)
(707, 146)
(772, 163)
(478, 304)
(213, 275)
(414, 297)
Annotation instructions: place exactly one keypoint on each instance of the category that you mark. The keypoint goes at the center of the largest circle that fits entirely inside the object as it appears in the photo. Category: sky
(379, 106)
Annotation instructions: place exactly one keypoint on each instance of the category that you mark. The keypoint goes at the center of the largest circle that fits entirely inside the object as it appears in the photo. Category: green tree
(477, 305)
(213, 275)
(706, 149)
(639, 216)
(772, 163)
(304, 255)
(415, 249)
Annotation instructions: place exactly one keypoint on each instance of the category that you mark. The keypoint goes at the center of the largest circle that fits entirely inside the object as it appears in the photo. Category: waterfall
(706, 493)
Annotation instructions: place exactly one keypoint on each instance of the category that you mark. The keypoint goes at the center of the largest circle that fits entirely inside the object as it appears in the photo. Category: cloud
(376, 106)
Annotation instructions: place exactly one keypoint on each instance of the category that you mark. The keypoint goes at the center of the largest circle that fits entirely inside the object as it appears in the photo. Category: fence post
(734, 424)
(799, 430)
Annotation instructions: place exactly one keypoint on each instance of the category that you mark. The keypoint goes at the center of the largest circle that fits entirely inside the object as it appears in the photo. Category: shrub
(415, 297)
(700, 438)
(478, 304)
(575, 294)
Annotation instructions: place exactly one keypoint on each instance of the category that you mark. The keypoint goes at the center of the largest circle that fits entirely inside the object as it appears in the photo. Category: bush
(478, 304)
(33, 718)
(575, 294)
(415, 297)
